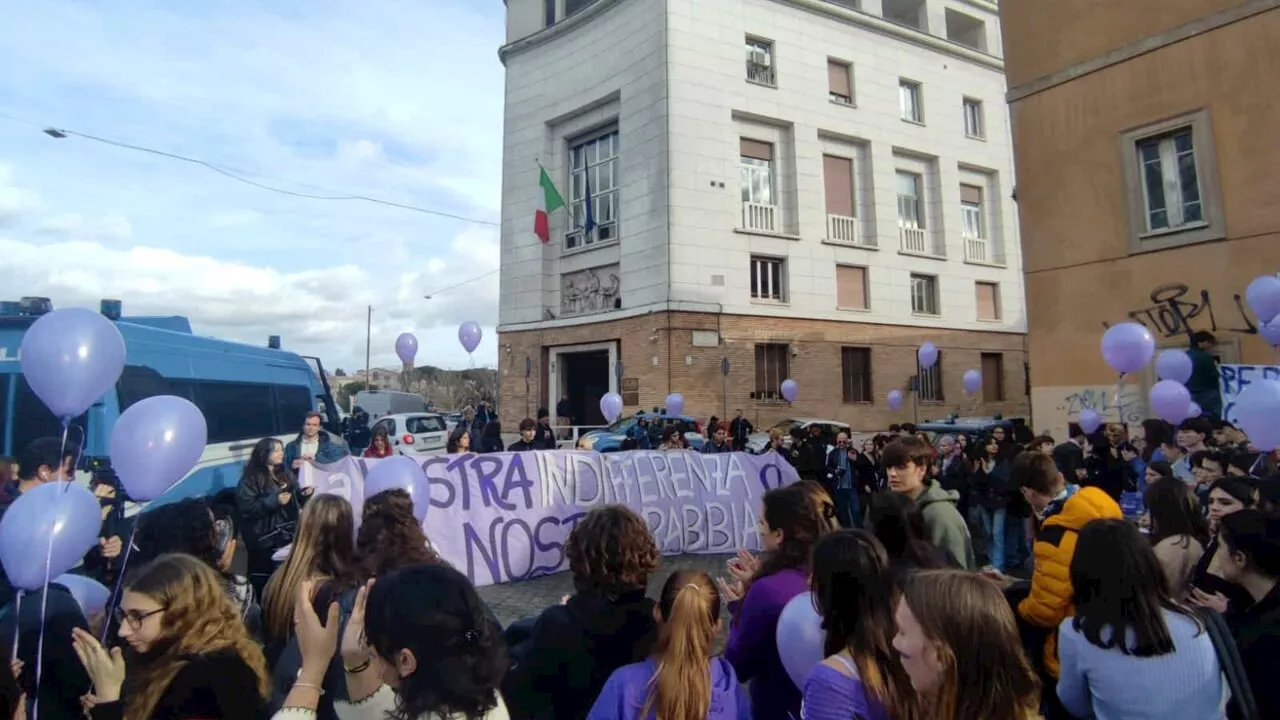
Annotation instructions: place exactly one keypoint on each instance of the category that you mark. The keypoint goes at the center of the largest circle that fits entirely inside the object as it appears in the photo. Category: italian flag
(551, 201)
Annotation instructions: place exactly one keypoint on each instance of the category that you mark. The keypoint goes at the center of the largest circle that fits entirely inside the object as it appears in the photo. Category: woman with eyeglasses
(189, 655)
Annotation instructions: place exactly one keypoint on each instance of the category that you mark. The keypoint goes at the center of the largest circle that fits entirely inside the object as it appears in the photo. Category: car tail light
(407, 439)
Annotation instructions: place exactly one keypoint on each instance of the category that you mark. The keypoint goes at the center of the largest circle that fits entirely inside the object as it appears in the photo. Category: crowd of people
(962, 577)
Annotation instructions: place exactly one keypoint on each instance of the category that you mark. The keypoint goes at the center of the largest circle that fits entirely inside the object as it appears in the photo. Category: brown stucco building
(1148, 181)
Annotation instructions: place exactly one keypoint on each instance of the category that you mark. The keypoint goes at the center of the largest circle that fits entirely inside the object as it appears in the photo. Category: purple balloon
(90, 594)
(1174, 365)
(611, 406)
(675, 404)
(399, 472)
(790, 389)
(71, 358)
(407, 348)
(1270, 331)
(155, 443)
(1194, 410)
(1263, 296)
(800, 637)
(469, 335)
(927, 355)
(65, 512)
(972, 381)
(1170, 400)
(1127, 347)
(1089, 421)
(895, 399)
(1256, 411)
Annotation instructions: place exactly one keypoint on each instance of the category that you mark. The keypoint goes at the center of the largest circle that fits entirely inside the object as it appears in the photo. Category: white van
(380, 403)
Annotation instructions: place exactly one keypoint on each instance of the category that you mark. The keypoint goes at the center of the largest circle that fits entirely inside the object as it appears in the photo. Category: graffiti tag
(1174, 311)
(1128, 407)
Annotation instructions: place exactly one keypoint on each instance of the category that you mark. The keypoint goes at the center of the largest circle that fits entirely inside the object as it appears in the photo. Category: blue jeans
(848, 507)
(993, 522)
(1016, 549)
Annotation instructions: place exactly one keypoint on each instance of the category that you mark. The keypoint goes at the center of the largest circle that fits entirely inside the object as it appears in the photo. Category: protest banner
(1235, 378)
(504, 517)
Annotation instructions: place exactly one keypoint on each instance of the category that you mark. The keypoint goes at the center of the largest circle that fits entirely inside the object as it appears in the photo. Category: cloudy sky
(395, 100)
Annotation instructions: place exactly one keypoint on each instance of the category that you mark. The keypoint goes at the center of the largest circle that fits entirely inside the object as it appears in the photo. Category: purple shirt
(832, 695)
(753, 648)
(624, 695)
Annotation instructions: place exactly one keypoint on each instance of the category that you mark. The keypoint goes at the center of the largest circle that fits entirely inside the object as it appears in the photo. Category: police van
(246, 393)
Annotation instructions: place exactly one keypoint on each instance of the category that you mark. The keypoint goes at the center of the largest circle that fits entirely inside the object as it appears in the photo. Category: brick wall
(815, 364)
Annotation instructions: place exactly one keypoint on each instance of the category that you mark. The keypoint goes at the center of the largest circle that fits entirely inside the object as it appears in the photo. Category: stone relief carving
(589, 291)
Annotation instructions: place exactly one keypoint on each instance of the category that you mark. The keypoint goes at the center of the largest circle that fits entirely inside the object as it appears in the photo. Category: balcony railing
(842, 228)
(759, 217)
(977, 249)
(914, 239)
(761, 74)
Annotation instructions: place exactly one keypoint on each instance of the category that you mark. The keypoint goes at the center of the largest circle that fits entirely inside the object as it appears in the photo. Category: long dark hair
(853, 591)
(898, 524)
(258, 469)
(433, 612)
(390, 536)
(1156, 432)
(1120, 588)
(791, 510)
(455, 437)
(1174, 511)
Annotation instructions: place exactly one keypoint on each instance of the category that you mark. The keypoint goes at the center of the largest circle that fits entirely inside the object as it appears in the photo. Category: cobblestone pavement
(513, 601)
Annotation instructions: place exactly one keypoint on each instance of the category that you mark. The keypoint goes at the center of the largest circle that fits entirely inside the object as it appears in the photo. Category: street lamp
(55, 133)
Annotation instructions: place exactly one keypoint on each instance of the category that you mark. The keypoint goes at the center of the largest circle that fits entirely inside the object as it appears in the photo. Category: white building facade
(778, 188)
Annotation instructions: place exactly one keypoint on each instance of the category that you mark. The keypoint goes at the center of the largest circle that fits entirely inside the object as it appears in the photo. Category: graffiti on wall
(1175, 310)
(1054, 407)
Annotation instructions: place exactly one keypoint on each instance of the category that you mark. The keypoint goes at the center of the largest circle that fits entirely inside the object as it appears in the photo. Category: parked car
(757, 442)
(415, 433)
(955, 425)
(610, 439)
(453, 419)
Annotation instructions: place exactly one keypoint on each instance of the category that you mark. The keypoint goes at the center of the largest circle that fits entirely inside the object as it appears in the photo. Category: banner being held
(1235, 378)
(504, 517)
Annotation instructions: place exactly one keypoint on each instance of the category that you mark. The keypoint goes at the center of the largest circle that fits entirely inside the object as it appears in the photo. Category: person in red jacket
(379, 444)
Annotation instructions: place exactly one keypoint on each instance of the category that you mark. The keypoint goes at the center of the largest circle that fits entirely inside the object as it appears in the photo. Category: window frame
(782, 294)
(762, 350)
(979, 118)
(748, 166)
(1213, 224)
(996, 301)
(841, 100)
(935, 295)
(850, 381)
(992, 392)
(572, 202)
(866, 289)
(934, 377)
(770, 48)
(917, 100)
(919, 197)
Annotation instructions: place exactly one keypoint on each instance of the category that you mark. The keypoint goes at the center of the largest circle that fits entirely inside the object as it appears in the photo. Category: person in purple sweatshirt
(854, 589)
(789, 525)
(682, 679)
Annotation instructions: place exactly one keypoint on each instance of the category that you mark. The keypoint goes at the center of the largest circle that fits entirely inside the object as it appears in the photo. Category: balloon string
(44, 609)
(114, 599)
(17, 613)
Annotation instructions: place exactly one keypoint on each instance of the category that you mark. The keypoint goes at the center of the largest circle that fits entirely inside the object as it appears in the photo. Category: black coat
(265, 524)
(63, 680)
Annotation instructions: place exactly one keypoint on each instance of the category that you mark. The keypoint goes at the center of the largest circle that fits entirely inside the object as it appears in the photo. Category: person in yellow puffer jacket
(1062, 513)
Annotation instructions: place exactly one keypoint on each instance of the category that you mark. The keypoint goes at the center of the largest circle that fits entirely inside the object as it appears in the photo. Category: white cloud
(392, 99)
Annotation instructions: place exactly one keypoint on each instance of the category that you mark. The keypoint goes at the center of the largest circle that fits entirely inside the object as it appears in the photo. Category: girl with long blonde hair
(958, 642)
(324, 550)
(681, 680)
(189, 653)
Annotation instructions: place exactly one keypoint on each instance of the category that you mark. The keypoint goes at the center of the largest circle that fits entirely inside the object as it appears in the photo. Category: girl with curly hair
(390, 536)
(853, 590)
(607, 622)
(789, 525)
(682, 679)
(189, 654)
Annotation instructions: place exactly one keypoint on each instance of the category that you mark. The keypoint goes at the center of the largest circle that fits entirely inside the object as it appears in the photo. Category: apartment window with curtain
(973, 125)
(992, 377)
(855, 374)
(1170, 181)
(851, 288)
(929, 382)
(593, 167)
(1174, 194)
(924, 294)
(760, 66)
(910, 200)
(988, 297)
(756, 161)
(768, 278)
(971, 210)
(840, 82)
(909, 95)
(772, 367)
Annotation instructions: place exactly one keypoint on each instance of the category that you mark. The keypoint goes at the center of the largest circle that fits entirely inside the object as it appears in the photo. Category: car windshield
(621, 425)
(785, 426)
